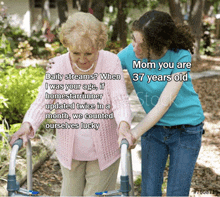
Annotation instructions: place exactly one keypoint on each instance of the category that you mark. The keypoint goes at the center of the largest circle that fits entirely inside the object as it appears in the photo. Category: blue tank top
(149, 80)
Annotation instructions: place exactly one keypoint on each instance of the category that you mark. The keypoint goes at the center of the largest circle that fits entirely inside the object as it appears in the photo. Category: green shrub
(11, 36)
(23, 51)
(19, 88)
(5, 45)
(137, 184)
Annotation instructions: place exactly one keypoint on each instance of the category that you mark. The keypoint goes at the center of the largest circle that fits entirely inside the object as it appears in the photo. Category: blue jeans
(182, 145)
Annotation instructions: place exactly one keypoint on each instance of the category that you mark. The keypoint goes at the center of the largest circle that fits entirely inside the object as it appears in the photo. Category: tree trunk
(98, 7)
(175, 11)
(114, 35)
(207, 8)
(62, 11)
(195, 23)
(45, 11)
(122, 25)
(84, 5)
(74, 4)
(31, 8)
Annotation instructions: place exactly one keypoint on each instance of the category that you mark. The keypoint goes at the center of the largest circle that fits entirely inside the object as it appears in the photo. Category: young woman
(159, 62)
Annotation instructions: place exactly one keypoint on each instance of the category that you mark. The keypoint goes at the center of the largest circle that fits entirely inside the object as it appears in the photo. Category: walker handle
(18, 142)
(124, 141)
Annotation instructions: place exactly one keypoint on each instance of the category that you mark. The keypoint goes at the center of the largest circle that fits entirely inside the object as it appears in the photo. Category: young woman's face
(138, 44)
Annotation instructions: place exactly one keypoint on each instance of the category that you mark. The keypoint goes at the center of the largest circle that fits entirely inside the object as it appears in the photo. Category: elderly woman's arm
(120, 105)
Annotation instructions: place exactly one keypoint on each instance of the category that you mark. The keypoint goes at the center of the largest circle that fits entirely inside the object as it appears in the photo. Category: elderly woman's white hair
(83, 31)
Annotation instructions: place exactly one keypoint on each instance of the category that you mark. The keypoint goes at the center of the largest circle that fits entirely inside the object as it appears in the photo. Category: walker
(126, 179)
(13, 187)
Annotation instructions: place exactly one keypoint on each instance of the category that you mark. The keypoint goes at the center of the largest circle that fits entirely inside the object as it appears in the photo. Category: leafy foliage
(54, 49)
(216, 4)
(208, 45)
(19, 88)
(39, 43)
(5, 45)
(11, 36)
(14, 40)
(113, 47)
(23, 51)
(137, 184)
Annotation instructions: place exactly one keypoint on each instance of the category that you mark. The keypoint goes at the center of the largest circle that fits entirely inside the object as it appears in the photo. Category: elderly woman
(90, 94)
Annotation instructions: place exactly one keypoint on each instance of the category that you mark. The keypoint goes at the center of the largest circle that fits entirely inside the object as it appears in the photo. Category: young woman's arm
(165, 101)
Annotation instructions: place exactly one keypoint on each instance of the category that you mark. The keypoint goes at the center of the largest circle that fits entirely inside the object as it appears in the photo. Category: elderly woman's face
(83, 59)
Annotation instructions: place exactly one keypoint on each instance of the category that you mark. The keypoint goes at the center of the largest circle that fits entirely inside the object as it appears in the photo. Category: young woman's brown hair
(160, 31)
